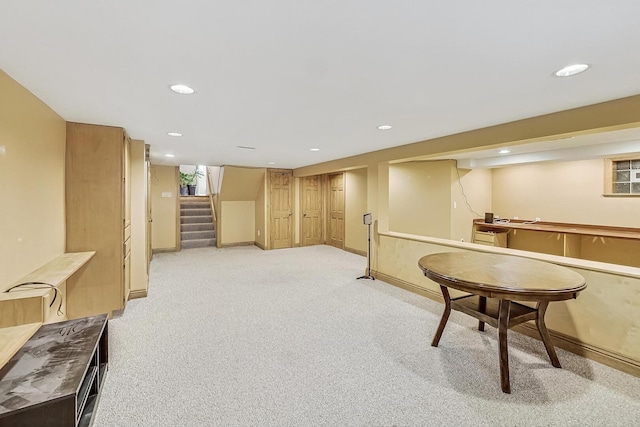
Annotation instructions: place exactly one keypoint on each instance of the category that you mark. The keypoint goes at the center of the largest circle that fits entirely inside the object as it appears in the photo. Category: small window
(624, 176)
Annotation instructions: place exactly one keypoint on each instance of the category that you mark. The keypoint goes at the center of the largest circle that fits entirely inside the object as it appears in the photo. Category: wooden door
(126, 172)
(280, 209)
(336, 210)
(126, 194)
(126, 268)
(147, 169)
(311, 210)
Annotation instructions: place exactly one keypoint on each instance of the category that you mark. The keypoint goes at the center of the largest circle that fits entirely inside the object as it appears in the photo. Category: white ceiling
(285, 76)
(581, 147)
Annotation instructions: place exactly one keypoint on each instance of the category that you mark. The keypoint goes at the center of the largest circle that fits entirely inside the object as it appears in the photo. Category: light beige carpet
(245, 337)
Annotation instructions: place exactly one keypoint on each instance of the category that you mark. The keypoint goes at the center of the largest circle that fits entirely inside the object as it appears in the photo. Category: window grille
(626, 176)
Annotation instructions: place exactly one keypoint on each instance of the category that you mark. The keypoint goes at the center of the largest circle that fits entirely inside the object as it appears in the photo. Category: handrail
(212, 201)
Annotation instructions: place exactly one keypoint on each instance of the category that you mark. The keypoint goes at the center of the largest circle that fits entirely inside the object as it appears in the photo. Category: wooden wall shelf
(58, 270)
(34, 303)
(24, 309)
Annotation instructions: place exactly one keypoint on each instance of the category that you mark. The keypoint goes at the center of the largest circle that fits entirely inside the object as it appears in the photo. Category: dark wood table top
(51, 365)
(502, 276)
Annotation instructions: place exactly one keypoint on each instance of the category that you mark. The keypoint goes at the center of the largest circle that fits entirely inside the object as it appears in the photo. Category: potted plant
(188, 182)
(184, 182)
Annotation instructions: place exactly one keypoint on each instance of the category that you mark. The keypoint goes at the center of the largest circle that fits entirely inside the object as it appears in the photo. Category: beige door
(280, 209)
(336, 210)
(147, 168)
(311, 210)
(126, 162)
(126, 268)
(126, 274)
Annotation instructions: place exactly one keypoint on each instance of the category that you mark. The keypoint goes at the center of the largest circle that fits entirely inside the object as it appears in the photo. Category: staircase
(197, 229)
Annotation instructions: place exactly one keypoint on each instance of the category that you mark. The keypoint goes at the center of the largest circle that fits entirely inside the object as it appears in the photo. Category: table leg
(503, 326)
(544, 333)
(445, 315)
(483, 307)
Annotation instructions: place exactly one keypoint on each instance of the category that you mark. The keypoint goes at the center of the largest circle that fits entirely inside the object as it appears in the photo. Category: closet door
(336, 210)
(281, 209)
(311, 210)
(126, 215)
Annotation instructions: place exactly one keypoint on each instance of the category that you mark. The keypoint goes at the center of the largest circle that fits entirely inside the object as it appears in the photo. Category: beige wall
(477, 189)
(164, 209)
(261, 215)
(425, 198)
(607, 116)
(355, 232)
(32, 159)
(605, 316)
(241, 184)
(241, 203)
(617, 114)
(581, 326)
(139, 276)
(612, 115)
(420, 198)
(561, 192)
(239, 222)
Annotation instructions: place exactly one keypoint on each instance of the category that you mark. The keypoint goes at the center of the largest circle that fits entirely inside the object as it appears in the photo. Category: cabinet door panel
(95, 207)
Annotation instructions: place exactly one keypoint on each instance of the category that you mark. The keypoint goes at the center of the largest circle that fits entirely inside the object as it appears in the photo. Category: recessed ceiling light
(272, 163)
(384, 127)
(182, 89)
(571, 70)
(504, 151)
(169, 155)
(314, 149)
(174, 134)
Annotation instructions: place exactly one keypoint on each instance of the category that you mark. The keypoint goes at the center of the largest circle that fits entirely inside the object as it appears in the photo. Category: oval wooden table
(495, 282)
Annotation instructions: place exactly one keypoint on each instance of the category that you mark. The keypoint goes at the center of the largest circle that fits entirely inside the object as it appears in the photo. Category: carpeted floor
(245, 337)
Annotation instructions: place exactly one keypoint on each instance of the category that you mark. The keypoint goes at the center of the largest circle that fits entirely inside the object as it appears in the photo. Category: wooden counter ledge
(23, 310)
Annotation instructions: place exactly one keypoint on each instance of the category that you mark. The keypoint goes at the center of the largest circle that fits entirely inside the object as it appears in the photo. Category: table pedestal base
(501, 314)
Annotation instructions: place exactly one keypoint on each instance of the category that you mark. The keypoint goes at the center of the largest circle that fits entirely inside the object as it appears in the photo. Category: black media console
(55, 379)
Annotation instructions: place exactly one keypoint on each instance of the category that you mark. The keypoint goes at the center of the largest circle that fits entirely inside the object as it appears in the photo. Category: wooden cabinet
(615, 245)
(55, 379)
(98, 217)
(491, 238)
